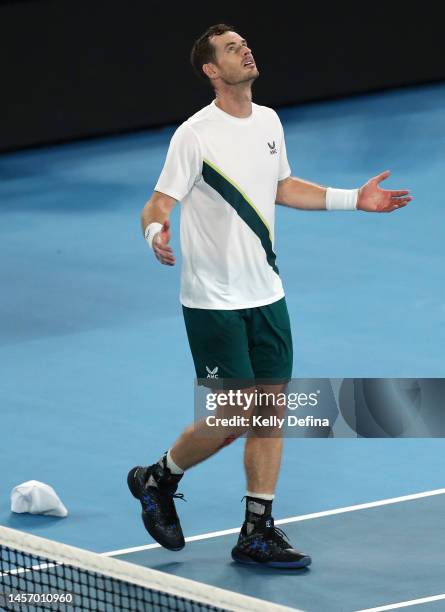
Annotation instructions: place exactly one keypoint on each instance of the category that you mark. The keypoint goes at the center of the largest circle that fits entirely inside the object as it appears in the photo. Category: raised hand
(163, 252)
(373, 198)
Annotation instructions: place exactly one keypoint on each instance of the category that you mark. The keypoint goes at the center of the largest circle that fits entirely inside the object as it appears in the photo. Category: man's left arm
(297, 193)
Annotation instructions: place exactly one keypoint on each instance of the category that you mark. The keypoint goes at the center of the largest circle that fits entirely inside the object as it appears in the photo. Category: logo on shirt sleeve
(212, 373)
(272, 147)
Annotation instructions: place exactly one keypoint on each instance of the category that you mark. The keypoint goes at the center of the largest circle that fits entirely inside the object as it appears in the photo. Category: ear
(210, 70)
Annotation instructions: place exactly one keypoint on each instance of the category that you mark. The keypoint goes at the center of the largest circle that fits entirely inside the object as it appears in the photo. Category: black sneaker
(158, 508)
(267, 545)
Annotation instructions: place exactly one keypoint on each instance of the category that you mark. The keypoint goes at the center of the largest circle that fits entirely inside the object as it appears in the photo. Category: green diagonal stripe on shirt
(244, 207)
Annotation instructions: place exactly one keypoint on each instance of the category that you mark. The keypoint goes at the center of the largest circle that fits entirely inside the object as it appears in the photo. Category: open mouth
(249, 64)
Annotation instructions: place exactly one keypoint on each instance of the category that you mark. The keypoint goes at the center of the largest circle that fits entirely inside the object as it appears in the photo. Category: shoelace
(277, 535)
(179, 496)
(169, 507)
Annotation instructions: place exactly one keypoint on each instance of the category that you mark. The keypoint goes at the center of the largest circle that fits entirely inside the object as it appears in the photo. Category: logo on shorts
(272, 147)
(212, 373)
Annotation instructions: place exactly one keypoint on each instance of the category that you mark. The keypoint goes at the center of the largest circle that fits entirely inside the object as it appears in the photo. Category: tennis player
(227, 165)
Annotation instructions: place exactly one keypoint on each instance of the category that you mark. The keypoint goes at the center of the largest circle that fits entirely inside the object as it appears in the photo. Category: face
(234, 60)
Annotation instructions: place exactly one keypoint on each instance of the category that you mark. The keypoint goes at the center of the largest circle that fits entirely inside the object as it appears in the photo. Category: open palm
(373, 198)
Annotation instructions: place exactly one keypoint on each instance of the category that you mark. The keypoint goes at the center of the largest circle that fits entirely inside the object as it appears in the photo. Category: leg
(259, 541)
(262, 454)
(193, 446)
(218, 341)
(272, 357)
(262, 457)
(199, 442)
(219, 346)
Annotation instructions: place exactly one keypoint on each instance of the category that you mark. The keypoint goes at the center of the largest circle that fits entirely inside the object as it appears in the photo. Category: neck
(234, 101)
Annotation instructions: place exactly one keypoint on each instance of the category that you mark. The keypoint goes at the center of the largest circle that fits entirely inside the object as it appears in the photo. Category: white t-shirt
(225, 171)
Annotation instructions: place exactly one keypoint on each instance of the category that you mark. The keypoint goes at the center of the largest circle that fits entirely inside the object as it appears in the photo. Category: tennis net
(37, 574)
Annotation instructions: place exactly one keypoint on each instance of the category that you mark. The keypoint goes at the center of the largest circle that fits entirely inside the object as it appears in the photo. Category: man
(227, 165)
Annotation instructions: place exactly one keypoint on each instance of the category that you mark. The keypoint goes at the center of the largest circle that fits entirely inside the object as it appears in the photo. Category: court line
(292, 519)
(405, 604)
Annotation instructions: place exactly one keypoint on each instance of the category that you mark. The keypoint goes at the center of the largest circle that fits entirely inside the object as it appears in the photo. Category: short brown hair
(203, 51)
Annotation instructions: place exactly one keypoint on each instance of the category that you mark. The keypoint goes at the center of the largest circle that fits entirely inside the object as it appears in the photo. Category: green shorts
(244, 344)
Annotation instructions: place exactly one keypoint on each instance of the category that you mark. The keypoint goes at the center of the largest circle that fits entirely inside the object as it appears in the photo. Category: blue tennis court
(97, 376)
(365, 558)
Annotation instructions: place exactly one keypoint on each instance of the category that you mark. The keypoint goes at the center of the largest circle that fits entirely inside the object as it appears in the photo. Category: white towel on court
(36, 498)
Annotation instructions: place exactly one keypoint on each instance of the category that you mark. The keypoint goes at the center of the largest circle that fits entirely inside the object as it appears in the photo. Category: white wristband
(341, 199)
(150, 231)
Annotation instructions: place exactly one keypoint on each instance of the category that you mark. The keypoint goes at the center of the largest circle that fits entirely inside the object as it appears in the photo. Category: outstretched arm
(297, 193)
(156, 226)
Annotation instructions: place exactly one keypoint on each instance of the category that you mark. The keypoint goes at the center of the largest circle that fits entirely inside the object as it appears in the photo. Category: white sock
(265, 496)
(172, 466)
